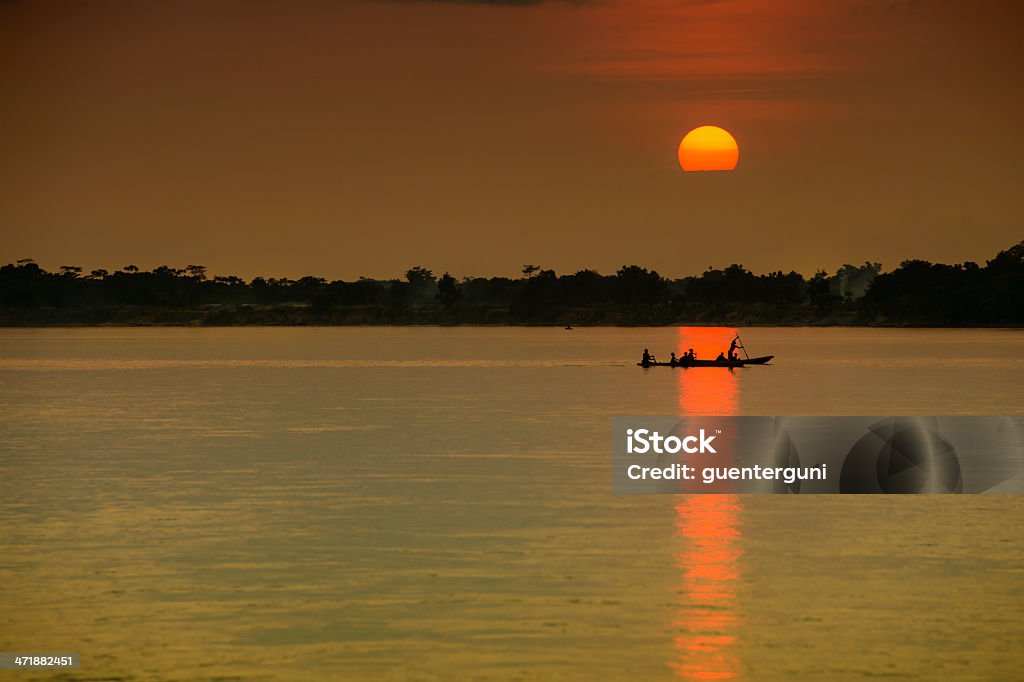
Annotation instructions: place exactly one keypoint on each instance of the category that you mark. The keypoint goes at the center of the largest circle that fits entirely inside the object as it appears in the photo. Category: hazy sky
(284, 138)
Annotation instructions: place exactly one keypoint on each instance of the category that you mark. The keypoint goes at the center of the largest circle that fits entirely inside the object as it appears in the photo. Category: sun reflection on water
(708, 527)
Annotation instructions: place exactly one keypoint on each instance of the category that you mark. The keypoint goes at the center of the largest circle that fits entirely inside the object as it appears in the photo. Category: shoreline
(508, 325)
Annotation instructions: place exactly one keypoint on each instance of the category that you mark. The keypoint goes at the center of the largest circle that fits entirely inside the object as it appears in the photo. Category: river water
(435, 504)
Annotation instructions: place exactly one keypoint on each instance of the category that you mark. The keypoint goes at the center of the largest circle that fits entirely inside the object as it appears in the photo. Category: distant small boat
(709, 363)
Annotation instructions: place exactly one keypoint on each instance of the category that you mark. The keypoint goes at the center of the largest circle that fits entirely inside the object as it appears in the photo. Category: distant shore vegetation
(917, 293)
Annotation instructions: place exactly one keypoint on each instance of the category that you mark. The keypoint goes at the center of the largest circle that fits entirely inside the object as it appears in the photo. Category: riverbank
(300, 315)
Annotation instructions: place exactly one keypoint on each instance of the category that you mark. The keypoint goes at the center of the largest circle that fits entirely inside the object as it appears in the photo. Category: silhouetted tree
(197, 272)
(819, 292)
(418, 275)
(447, 291)
(637, 285)
(399, 293)
(916, 292)
(423, 284)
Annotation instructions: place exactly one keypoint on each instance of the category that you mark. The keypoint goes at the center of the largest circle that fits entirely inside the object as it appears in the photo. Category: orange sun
(708, 148)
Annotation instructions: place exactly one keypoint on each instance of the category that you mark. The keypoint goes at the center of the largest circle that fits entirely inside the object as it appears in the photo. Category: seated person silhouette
(720, 358)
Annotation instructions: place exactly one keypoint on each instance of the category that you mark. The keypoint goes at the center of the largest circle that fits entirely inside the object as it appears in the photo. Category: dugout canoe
(684, 364)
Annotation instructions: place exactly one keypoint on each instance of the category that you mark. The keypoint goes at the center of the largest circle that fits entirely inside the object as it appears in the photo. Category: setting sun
(708, 148)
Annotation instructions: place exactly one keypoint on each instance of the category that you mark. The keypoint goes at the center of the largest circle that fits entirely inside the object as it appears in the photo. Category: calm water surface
(434, 504)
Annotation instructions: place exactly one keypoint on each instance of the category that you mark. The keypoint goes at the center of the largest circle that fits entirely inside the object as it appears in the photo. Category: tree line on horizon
(916, 292)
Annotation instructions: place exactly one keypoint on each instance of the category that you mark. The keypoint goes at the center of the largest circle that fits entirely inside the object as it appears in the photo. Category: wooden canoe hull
(685, 364)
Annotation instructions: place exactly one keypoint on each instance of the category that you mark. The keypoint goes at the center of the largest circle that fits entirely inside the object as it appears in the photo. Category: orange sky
(361, 138)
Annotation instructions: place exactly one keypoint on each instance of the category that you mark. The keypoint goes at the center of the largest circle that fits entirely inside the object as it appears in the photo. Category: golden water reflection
(708, 528)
